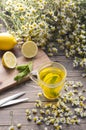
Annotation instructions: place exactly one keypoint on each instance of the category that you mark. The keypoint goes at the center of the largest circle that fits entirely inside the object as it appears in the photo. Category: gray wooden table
(31, 91)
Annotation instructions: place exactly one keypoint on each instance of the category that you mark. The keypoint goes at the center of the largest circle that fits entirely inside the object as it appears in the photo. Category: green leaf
(54, 78)
(30, 66)
(24, 70)
(21, 68)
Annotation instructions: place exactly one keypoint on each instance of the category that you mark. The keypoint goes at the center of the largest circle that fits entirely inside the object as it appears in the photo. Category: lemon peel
(7, 41)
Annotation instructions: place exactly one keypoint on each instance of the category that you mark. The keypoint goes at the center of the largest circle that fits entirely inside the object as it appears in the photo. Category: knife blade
(13, 102)
(4, 100)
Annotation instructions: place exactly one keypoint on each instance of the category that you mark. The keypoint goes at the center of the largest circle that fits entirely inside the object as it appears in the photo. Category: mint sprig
(24, 70)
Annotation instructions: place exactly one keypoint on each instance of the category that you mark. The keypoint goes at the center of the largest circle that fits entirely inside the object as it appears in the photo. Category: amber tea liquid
(51, 80)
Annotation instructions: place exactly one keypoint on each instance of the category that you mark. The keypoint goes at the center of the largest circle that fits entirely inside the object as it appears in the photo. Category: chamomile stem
(11, 118)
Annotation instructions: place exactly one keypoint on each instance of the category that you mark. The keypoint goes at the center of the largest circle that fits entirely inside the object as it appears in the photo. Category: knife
(12, 102)
(7, 99)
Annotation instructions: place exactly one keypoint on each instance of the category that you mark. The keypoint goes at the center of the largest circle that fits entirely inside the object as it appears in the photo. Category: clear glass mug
(51, 78)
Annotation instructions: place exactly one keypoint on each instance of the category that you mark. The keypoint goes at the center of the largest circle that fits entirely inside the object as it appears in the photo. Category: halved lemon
(9, 60)
(29, 49)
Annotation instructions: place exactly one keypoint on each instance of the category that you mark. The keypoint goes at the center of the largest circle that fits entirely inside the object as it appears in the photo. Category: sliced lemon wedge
(29, 49)
(9, 60)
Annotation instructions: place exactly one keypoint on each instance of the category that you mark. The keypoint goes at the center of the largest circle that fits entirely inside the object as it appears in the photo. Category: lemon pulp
(9, 60)
(29, 49)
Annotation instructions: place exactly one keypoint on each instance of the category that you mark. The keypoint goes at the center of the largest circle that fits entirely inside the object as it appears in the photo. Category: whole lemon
(7, 41)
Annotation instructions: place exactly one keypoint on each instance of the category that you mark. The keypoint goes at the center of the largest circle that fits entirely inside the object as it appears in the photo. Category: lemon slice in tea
(9, 60)
(29, 49)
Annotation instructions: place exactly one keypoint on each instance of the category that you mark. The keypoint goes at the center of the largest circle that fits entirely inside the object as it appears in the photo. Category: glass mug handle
(33, 76)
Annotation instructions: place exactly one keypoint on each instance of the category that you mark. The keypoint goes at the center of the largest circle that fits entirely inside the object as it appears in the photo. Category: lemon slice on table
(29, 49)
(9, 60)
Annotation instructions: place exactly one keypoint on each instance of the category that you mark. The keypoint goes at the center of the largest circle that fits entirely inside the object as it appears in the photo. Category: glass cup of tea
(51, 78)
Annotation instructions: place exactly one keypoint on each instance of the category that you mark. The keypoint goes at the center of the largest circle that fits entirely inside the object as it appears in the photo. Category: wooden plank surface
(31, 91)
(7, 80)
